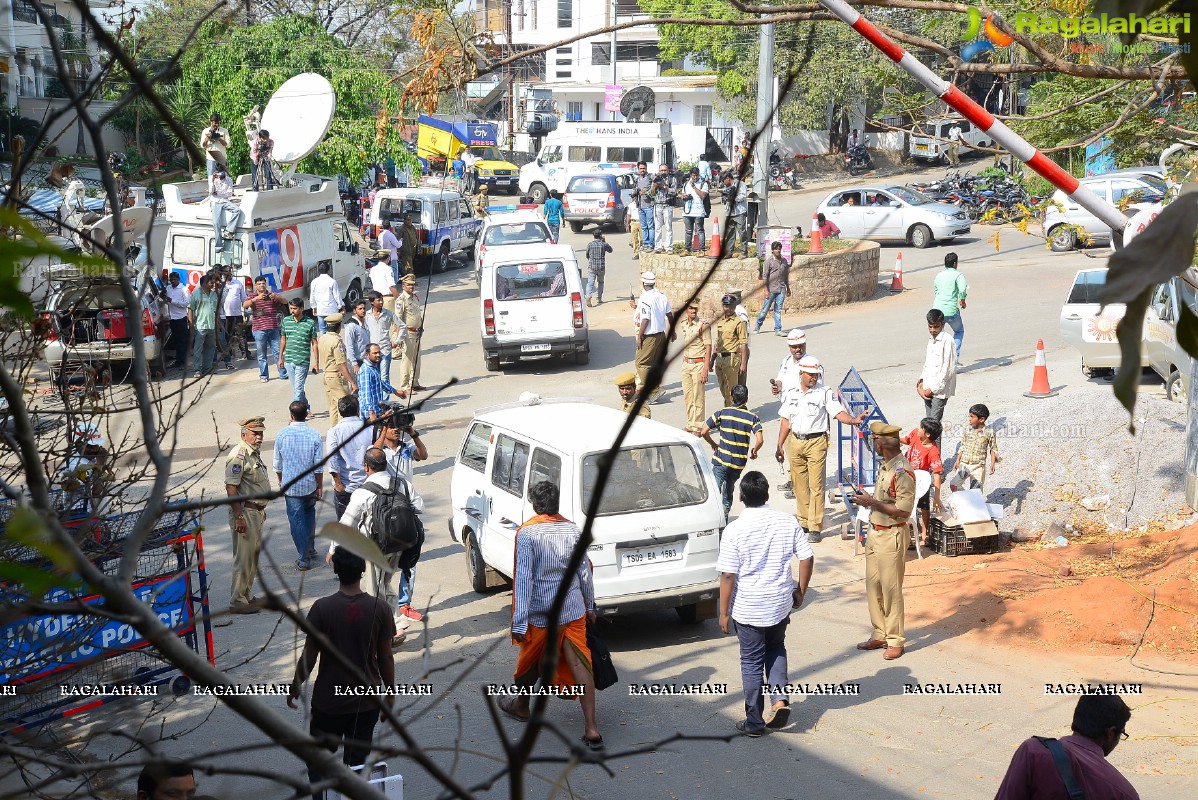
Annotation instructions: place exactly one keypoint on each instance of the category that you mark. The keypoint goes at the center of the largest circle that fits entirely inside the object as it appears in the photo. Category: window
(702, 116)
(565, 13)
(1087, 286)
(564, 74)
(1162, 299)
(564, 62)
(442, 211)
(589, 183)
(646, 478)
(451, 210)
(581, 152)
(517, 233)
(630, 154)
(187, 250)
(511, 461)
(637, 51)
(600, 54)
(1121, 189)
(229, 253)
(546, 466)
(575, 109)
(525, 281)
(551, 155)
(464, 210)
(563, 51)
(846, 199)
(474, 449)
(394, 208)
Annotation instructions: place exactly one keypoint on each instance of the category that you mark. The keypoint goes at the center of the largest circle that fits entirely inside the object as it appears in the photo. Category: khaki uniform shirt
(894, 483)
(730, 333)
(245, 470)
(409, 311)
(644, 412)
(697, 336)
(411, 240)
(331, 351)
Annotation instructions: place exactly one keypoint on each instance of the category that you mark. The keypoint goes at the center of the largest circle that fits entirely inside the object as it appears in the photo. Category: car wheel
(538, 193)
(354, 294)
(442, 262)
(1061, 239)
(576, 227)
(492, 363)
(582, 357)
(1175, 390)
(921, 237)
(476, 568)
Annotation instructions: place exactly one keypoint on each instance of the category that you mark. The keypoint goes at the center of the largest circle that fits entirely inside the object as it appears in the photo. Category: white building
(573, 78)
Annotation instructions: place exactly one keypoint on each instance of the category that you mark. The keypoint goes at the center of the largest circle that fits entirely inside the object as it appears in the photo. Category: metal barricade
(855, 460)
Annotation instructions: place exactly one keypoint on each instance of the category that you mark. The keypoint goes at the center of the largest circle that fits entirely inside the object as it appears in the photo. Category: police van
(444, 219)
(284, 235)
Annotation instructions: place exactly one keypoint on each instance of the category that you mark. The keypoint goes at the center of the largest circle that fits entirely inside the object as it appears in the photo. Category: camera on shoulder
(398, 417)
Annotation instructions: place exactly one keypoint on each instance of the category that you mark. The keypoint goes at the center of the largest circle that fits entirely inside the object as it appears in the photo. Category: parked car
(1145, 188)
(445, 220)
(657, 531)
(89, 326)
(893, 212)
(598, 197)
(1164, 354)
(531, 308)
(505, 228)
(1088, 326)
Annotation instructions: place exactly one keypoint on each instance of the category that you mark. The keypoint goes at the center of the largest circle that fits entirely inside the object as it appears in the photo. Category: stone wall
(816, 281)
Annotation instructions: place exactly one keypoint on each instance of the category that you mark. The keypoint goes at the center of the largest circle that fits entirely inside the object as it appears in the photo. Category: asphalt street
(880, 743)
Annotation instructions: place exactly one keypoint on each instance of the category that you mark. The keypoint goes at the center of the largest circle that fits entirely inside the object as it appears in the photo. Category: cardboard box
(975, 530)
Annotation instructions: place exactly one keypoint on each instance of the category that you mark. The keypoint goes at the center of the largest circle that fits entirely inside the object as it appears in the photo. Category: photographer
(215, 141)
(665, 188)
(402, 445)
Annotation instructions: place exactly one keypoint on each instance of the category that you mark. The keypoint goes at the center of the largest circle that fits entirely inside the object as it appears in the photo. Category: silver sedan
(893, 213)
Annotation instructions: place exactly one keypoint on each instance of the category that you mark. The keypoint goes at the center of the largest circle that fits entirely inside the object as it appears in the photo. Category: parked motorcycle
(857, 160)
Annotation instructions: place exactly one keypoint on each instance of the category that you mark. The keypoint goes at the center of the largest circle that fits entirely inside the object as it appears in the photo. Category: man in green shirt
(948, 292)
(201, 314)
(298, 349)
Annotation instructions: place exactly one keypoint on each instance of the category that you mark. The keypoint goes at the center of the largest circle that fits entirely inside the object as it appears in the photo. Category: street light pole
(765, 110)
(614, 80)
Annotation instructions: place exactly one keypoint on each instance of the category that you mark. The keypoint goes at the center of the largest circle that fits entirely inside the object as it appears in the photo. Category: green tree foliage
(236, 68)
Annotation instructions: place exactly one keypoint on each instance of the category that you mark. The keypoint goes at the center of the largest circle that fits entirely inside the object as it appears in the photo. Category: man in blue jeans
(644, 205)
(775, 274)
(736, 424)
(949, 291)
(298, 348)
(298, 453)
(758, 591)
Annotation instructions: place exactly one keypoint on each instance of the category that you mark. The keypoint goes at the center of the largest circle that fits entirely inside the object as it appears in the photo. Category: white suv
(502, 228)
(1060, 224)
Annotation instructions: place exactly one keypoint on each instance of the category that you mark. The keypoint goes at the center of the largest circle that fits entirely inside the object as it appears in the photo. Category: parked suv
(444, 219)
(1089, 326)
(657, 531)
(1164, 353)
(1144, 188)
(598, 197)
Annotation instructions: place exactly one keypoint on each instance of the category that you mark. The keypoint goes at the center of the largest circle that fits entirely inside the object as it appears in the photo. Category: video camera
(397, 417)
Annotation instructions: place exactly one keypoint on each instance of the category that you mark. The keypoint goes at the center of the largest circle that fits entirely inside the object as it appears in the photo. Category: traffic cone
(1040, 385)
(714, 252)
(817, 245)
(896, 283)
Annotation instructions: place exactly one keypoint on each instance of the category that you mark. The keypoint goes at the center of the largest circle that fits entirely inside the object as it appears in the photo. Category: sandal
(594, 745)
(506, 706)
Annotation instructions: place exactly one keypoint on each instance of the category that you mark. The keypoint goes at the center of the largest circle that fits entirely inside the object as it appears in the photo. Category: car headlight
(958, 215)
(485, 171)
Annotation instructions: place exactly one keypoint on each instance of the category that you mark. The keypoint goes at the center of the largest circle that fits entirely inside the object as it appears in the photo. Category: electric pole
(614, 80)
(765, 111)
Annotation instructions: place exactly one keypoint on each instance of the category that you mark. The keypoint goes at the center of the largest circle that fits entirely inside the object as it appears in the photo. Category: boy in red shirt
(924, 454)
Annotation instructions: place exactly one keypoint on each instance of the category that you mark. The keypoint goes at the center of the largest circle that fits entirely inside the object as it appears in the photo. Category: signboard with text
(280, 258)
(611, 97)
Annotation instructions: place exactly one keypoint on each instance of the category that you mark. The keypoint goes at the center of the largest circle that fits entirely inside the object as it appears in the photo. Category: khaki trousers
(652, 347)
(245, 555)
(409, 367)
(693, 390)
(383, 584)
(335, 388)
(727, 372)
(808, 460)
(885, 566)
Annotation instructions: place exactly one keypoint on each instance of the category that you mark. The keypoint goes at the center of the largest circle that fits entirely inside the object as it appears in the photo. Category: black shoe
(785, 487)
(814, 537)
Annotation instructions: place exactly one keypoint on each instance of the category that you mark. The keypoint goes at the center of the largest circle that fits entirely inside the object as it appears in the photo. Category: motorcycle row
(983, 198)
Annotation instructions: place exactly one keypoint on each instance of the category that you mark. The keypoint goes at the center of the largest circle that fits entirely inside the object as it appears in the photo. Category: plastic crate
(950, 540)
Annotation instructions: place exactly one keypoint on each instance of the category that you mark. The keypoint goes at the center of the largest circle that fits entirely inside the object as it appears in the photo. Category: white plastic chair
(923, 483)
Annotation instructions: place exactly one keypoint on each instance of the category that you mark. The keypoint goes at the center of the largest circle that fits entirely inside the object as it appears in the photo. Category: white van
(1089, 326)
(530, 304)
(444, 219)
(1164, 353)
(657, 533)
(578, 147)
(284, 235)
(929, 140)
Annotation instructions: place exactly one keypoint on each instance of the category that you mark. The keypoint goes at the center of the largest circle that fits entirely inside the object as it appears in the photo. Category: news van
(579, 147)
(929, 140)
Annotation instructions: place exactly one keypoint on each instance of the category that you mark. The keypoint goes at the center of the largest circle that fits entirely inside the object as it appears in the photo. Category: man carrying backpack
(385, 508)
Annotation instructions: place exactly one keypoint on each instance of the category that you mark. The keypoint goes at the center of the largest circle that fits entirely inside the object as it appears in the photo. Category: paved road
(878, 744)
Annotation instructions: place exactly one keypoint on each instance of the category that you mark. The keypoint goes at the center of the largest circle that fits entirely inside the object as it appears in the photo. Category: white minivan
(584, 147)
(444, 219)
(657, 532)
(929, 140)
(1089, 326)
(530, 306)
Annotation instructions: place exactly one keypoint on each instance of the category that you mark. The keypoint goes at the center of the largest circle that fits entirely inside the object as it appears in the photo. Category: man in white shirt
(232, 301)
(803, 441)
(177, 298)
(938, 381)
(226, 215)
(382, 280)
(758, 591)
(471, 163)
(324, 295)
(954, 144)
(787, 379)
(652, 318)
(345, 446)
(391, 243)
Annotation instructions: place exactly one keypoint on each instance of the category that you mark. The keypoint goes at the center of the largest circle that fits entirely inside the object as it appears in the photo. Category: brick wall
(845, 276)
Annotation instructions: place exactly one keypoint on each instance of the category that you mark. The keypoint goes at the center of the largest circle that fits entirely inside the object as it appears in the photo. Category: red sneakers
(411, 613)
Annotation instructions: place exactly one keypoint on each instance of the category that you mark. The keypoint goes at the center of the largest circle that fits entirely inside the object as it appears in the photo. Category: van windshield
(536, 279)
(487, 153)
(646, 478)
(394, 208)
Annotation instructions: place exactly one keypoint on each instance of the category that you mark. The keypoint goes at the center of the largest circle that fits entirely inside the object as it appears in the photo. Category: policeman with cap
(652, 319)
(787, 379)
(731, 354)
(803, 441)
(245, 476)
(886, 542)
(410, 312)
(626, 383)
(696, 355)
(338, 380)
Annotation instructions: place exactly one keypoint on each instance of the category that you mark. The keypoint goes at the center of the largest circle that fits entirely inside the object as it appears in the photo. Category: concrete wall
(845, 276)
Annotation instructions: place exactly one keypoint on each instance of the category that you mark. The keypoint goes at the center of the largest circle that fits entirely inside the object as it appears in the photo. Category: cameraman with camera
(215, 140)
(665, 190)
(401, 443)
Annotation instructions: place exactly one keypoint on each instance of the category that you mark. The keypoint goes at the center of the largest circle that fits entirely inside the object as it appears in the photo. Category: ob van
(578, 147)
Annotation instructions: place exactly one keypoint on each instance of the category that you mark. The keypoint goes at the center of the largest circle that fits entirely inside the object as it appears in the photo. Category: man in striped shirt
(298, 350)
(264, 323)
(758, 591)
(736, 424)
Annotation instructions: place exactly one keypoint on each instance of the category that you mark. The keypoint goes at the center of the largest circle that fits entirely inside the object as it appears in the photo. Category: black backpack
(393, 523)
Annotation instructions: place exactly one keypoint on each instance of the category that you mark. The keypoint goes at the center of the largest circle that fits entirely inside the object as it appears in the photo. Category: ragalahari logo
(982, 36)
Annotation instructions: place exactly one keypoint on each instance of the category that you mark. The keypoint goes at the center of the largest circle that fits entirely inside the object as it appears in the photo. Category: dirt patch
(1098, 596)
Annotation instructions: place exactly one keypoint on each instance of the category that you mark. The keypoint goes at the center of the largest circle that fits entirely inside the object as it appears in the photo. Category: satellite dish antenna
(135, 222)
(638, 103)
(298, 116)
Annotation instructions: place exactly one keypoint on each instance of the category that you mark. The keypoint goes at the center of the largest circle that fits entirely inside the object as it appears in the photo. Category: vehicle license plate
(923, 147)
(503, 180)
(534, 348)
(651, 555)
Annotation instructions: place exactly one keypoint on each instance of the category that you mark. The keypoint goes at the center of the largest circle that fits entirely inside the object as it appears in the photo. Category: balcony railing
(26, 11)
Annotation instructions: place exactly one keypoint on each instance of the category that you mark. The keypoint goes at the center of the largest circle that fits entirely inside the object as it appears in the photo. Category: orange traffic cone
(714, 252)
(896, 283)
(817, 245)
(1040, 385)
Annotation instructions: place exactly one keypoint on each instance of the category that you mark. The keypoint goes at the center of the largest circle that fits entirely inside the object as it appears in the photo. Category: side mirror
(353, 248)
(341, 246)
(540, 163)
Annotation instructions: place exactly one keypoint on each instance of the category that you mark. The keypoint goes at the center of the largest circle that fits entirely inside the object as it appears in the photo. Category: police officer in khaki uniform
(338, 380)
(731, 349)
(245, 474)
(411, 315)
(411, 240)
(696, 355)
(626, 383)
(886, 542)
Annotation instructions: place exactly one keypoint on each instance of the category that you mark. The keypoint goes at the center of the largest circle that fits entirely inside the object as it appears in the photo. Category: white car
(1089, 326)
(893, 212)
(1145, 188)
(506, 228)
